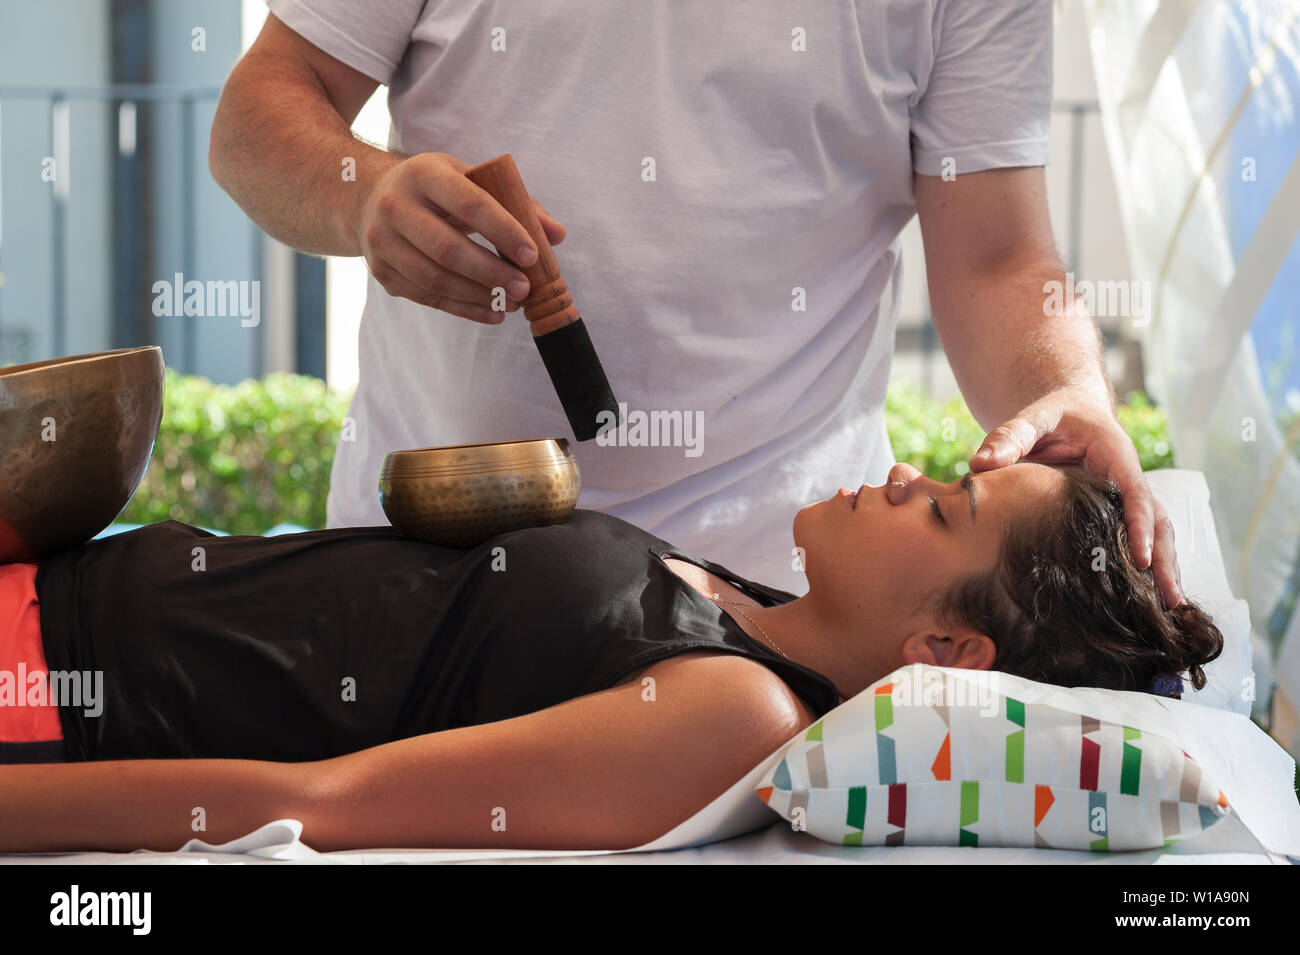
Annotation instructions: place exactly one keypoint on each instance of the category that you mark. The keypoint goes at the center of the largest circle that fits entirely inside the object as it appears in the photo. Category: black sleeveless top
(311, 645)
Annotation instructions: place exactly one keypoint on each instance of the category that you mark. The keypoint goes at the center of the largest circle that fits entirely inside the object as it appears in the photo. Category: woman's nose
(901, 477)
(902, 471)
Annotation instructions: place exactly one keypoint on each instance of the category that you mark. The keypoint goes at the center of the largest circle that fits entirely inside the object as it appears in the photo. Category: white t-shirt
(733, 185)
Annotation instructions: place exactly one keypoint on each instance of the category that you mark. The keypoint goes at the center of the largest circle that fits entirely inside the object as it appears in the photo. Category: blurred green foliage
(1147, 426)
(939, 437)
(243, 458)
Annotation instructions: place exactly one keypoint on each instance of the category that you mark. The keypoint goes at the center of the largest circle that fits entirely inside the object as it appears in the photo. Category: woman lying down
(580, 685)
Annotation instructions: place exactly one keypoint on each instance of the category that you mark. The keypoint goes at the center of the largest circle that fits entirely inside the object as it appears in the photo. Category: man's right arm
(280, 140)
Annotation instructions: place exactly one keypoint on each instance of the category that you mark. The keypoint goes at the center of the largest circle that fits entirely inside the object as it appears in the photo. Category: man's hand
(1067, 427)
(281, 138)
(413, 232)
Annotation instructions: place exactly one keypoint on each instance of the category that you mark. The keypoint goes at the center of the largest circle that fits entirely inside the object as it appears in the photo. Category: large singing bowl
(75, 438)
(461, 495)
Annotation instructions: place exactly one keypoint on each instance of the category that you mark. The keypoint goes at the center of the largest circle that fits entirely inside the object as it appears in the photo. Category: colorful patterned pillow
(939, 756)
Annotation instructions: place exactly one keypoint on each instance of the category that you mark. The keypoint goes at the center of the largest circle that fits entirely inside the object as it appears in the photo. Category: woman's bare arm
(608, 770)
(122, 805)
(612, 770)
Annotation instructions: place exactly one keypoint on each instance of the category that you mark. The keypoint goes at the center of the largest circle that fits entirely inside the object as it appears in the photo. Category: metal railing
(128, 97)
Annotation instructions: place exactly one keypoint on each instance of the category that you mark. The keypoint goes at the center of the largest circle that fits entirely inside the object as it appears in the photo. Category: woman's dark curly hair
(1066, 605)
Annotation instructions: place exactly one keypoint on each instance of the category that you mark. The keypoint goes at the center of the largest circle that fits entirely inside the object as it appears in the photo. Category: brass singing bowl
(76, 434)
(461, 495)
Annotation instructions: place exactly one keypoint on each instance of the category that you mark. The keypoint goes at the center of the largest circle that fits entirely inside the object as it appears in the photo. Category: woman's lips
(850, 496)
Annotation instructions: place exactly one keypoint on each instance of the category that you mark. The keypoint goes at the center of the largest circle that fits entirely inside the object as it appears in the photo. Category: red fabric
(21, 656)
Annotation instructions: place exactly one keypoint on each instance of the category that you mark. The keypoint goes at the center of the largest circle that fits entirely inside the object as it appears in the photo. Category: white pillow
(1230, 680)
(939, 756)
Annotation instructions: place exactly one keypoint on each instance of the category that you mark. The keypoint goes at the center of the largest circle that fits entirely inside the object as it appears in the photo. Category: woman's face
(877, 558)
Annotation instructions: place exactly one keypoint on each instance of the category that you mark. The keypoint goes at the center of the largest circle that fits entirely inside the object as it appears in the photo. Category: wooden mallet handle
(549, 305)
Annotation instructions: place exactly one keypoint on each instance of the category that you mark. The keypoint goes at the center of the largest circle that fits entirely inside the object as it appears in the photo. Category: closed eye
(934, 506)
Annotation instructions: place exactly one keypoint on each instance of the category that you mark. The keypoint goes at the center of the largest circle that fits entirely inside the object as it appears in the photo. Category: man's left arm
(1034, 376)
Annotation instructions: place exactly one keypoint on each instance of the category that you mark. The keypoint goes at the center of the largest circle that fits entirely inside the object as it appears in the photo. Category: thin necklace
(769, 639)
(754, 622)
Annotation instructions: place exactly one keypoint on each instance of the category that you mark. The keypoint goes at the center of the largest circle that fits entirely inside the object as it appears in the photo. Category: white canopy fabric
(1200, 106)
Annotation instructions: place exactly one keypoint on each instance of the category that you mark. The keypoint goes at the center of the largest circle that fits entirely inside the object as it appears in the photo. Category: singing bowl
(76, 434)
(463, 494)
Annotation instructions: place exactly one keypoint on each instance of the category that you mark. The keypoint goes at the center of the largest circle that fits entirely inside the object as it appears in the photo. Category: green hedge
(243, 458)
(938, 438)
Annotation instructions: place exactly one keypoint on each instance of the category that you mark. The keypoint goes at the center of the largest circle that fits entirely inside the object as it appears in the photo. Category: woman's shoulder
(775, 703)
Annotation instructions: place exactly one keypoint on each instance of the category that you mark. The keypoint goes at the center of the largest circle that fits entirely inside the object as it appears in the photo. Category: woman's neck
(805, 633)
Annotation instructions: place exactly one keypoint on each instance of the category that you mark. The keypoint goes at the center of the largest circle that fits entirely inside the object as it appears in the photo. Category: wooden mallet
(557, 328)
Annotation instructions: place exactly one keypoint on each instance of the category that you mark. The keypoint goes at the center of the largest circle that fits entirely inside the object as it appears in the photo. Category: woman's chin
(804, 514)
(795, 526)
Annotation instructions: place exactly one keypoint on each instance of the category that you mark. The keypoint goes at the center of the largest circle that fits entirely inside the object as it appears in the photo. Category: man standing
(736, 186)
